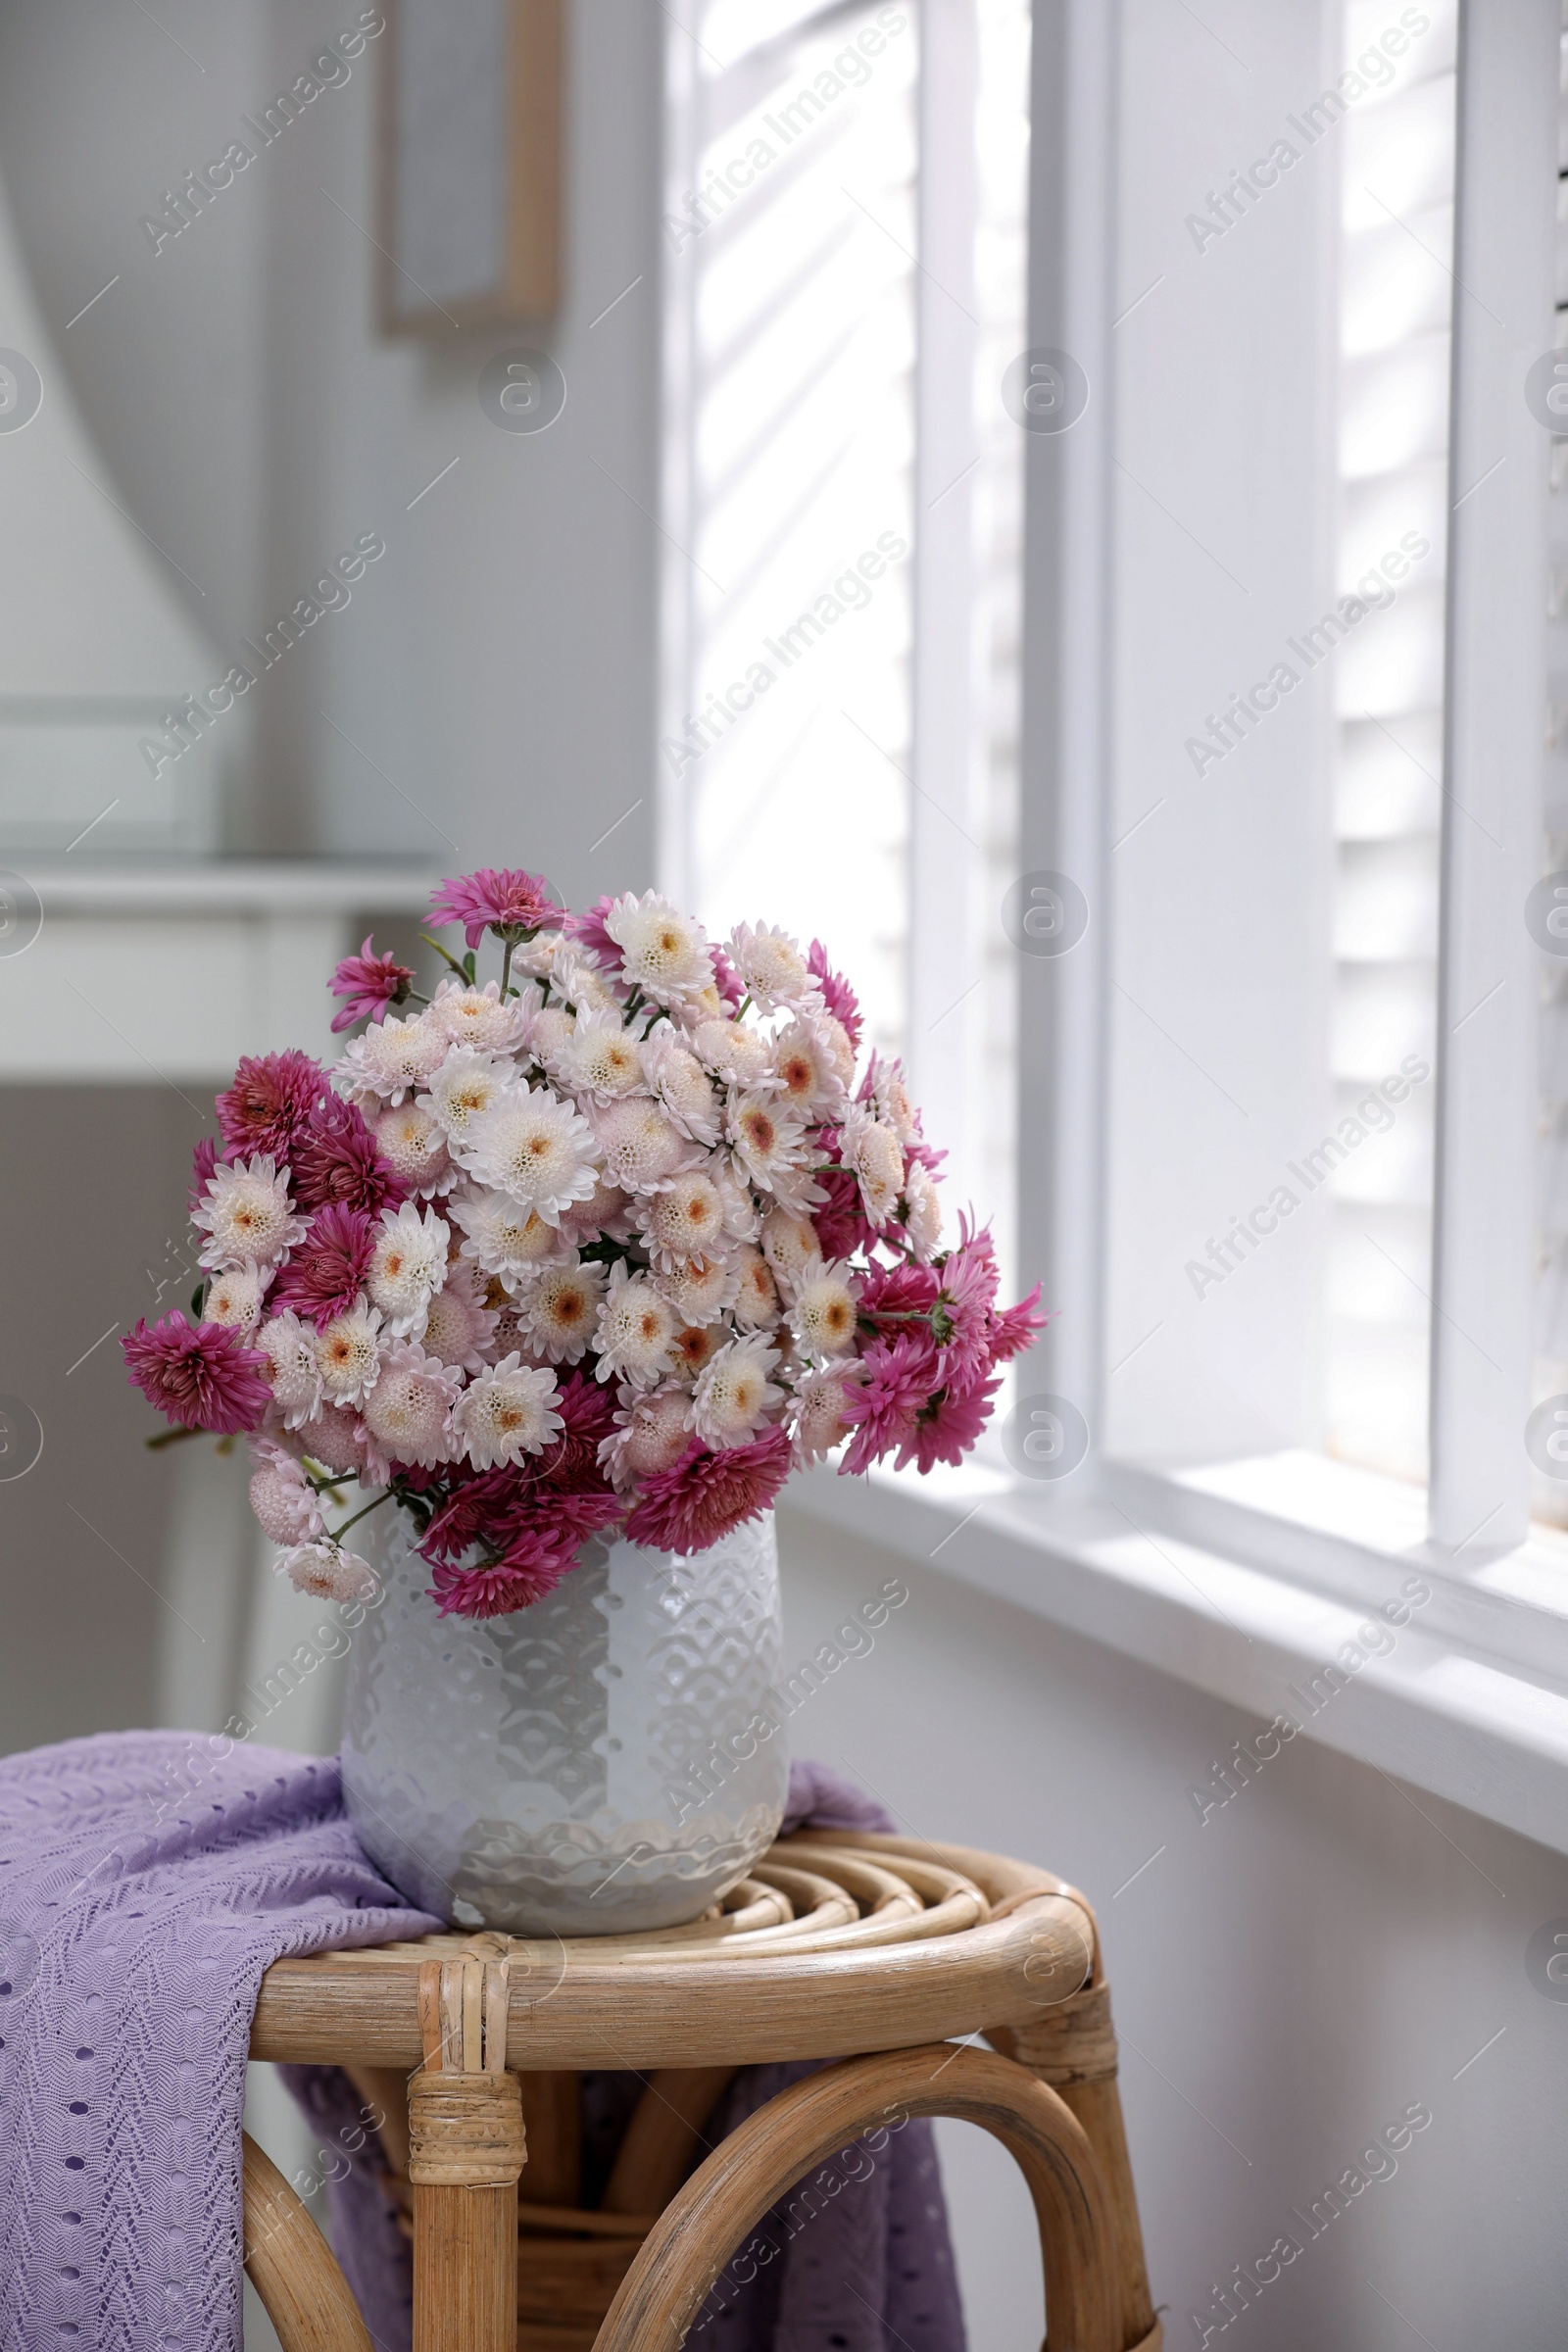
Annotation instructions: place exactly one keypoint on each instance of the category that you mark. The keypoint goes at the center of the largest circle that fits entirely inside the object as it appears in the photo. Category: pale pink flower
(413, 1142)
(282, 1498)
(234, 1298)
(327, 1572)
(459, 1327)
(680, 1086)
(824, 1309)
(408, 1414)
(294, 1373)
(506, 1413)
(246, 1214)
(392, 1057)
(636, 1331)
(663, 952)
(872, 1154)
(652, 1429)
(816, 1416)
(734, 1396)
(642, 1149)
(407, 1266)
(477, 1018)
(772, 969)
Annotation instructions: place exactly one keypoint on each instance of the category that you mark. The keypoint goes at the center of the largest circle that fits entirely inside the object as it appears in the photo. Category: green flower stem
(338, 1532)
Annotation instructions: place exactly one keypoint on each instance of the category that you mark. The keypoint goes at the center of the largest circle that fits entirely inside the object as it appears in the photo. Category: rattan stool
(872, 1950)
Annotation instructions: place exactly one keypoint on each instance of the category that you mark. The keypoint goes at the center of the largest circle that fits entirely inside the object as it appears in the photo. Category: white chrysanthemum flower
(636, 1331)
(537, 955)
(468, 1082)
(652, 1431)
(769, 1141)
(702, 1289)
(289, 1347)
(642, 1149)
(392, 1057)
(837, 1039)
(742, 1217)
(685, 1218)
(807, 1067)
(476, 1016)
(327, 1572)
(549, 1035)
(680, 1086)
(502, 1237)
(740, 1056)
(755, 1304)
(734, 1394)
(506, 1413)
(771, 967)
(695, 1346)
(815, 1415)
(789, 1244)
(663, 952)
(891, 1096)
(408, 1414)
(826, 1308)
(874, 1157)
(602, 1060)
(578, 982)
(348, 1355)
(413, 1142)
(559, 1306)
(246, 1214)
(282, 1498)
(459, 1327)
(407, 1266)
(234, 1298)
(924, 1223)
(536, 1149)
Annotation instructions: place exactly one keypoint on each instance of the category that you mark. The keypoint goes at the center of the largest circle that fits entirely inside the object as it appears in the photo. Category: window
(845, 250)
(1268, 1115)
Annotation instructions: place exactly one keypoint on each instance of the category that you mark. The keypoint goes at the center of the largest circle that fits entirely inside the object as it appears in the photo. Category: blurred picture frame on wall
(470, 165)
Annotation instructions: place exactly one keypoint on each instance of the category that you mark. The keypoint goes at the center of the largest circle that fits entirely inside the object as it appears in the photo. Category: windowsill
(1470, 1702)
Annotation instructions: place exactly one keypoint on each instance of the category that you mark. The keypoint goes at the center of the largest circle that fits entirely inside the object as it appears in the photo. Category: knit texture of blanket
(147, 1881)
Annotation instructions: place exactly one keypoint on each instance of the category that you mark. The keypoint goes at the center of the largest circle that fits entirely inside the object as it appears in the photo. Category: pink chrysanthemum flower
(270, 1102)
(898, 1378)
(201, 1375)
(336, 1160)
(503, 899)
(837, 993)
(204, 1159)
(1016, 1327)
(370, 983)
(497, 1589)
(704, 1495)
(587, 932)
(323, 1277)
(949, 1425)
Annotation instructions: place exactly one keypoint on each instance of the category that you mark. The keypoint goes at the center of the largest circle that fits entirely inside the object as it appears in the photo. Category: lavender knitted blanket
(147, 1881)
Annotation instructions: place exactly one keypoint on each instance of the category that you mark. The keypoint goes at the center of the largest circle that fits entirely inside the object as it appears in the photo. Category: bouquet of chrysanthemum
(609, 1241)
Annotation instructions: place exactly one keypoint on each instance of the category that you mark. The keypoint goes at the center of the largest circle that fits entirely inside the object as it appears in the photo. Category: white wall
(1286, 1977)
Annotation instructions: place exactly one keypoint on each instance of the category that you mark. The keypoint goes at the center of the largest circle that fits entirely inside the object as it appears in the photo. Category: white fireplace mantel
(140, 973)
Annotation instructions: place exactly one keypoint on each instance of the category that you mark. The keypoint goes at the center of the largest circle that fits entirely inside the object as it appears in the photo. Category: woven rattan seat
(880, 1952)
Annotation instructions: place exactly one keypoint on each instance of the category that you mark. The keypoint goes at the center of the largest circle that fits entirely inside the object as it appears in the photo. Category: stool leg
(1070, 2046)
(467, 2152)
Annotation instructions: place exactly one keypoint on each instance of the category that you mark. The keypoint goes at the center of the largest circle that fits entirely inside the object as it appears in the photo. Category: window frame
(1226, 1580)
